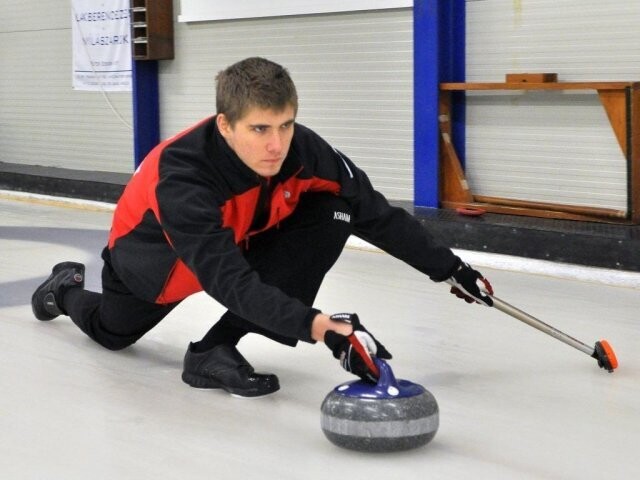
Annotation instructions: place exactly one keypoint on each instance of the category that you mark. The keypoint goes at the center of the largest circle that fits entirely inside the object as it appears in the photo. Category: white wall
(553, 146)
(42, 120)
(354, 73)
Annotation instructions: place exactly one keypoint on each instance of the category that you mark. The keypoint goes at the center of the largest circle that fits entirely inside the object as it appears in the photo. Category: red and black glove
(355, 351)
(470, 285)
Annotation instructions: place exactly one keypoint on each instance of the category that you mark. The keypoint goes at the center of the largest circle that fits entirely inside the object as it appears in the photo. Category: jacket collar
(229, 158)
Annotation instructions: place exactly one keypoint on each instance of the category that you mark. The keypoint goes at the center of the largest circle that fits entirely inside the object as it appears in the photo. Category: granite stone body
(390, 416)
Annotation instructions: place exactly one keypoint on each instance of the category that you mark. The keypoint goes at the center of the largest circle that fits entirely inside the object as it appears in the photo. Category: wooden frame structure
(621, 101)
(152, 29)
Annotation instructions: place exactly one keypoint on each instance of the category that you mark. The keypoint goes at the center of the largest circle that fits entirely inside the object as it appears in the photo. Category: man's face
(261, 138)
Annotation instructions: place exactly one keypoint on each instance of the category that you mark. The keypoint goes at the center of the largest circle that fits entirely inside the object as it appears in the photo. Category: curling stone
(389, 416)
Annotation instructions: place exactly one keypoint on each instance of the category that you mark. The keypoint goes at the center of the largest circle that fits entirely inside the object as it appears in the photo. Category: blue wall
(146, 110)
(439, 56)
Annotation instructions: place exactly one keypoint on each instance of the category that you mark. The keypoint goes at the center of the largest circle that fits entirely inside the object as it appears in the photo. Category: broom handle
(540, 325)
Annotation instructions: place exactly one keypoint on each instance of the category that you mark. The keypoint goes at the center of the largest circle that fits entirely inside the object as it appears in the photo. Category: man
(254, 209)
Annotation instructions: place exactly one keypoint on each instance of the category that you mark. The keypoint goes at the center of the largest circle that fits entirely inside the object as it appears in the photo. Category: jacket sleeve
(189, 212)
(389, 228)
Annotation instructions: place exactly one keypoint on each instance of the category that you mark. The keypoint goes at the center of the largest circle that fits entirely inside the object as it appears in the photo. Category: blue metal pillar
(439, 56)
(146, 109)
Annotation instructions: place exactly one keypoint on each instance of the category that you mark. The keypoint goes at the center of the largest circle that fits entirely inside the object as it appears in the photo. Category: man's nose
(275, 143)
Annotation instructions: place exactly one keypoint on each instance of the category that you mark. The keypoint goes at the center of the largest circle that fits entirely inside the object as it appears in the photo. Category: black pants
(295, 257)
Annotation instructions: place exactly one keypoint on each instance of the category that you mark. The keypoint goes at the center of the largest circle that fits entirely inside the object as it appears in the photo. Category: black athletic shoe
(224, 367)
(46, 301)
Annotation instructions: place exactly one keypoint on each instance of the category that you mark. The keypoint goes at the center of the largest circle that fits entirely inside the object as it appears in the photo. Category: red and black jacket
(179, 223)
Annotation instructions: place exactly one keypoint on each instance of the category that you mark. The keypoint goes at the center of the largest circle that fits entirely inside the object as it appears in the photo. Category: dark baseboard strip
(87, 185)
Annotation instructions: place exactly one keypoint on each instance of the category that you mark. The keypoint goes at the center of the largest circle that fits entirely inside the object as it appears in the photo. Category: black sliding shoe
(224, 367)
(46, 301)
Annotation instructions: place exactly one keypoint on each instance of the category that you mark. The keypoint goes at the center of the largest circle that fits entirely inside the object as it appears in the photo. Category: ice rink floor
(514, 403)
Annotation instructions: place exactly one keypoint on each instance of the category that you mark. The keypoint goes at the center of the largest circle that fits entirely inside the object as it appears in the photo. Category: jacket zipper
(245, 240)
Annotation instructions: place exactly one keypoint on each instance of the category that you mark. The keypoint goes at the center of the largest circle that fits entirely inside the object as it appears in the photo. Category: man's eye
(259, 129)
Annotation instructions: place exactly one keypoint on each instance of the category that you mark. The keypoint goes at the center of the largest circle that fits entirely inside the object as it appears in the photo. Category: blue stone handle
(387, 378)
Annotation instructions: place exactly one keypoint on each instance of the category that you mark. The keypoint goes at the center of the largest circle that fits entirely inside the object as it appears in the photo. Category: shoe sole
(40, 313)
(199, 382)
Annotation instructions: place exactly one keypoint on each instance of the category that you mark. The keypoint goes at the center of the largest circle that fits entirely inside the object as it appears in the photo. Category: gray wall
(553, 146)
(353, 72)
(43, 121)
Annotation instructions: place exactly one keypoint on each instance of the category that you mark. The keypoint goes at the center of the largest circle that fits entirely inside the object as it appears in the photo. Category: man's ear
(223, 124)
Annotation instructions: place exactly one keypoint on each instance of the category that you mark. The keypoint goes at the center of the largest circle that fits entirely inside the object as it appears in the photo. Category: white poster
(101, 45)
(202, 10)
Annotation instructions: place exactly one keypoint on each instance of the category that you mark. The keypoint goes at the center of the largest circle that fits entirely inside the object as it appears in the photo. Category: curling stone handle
(387, 378)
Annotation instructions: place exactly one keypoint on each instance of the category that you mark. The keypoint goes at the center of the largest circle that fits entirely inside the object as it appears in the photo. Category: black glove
(469, 284)
(356, 350)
